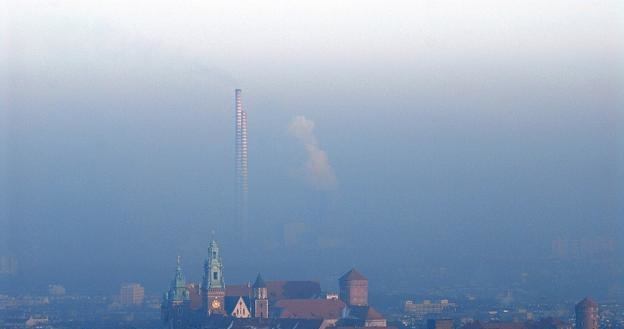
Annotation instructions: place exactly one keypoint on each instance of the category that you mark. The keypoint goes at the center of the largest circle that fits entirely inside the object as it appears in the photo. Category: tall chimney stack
(241, 165)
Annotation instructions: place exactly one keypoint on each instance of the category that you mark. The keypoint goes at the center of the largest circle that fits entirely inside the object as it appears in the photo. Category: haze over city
(427, 143)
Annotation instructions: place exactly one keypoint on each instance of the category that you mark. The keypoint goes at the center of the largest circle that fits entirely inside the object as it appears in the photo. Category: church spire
(178, 290)
(259, 282)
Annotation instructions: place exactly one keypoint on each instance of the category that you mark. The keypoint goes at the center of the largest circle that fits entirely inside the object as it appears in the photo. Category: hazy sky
(376, 127)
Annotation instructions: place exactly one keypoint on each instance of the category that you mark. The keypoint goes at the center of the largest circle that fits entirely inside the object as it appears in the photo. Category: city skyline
(431, 143)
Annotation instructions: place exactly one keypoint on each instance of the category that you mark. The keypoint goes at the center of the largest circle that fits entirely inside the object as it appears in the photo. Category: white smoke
(317, 170)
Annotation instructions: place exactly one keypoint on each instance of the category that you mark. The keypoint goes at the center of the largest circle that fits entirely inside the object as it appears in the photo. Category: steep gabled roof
(353, 275)
(232, 301)
(259, 282)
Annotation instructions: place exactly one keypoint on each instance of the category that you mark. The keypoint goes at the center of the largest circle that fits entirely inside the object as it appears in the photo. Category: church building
(272, 304)
(178, 308)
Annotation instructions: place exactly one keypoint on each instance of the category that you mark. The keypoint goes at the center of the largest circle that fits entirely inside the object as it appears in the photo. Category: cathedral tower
(176, 306)
(213, 286)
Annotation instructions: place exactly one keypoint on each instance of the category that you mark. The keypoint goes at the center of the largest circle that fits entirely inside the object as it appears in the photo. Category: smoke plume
(317, 170)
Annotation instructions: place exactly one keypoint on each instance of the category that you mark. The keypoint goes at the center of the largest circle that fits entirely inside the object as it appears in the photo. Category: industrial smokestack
(241, 164)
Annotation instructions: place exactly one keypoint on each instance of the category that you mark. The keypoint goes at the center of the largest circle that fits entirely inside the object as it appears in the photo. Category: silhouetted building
(586, 314)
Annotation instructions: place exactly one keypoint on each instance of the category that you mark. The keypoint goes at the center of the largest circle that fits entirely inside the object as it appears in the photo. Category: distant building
(131, 294)
(354, 288)
(586, 314)
(8, 265)
(56, 290)
(440, 324)
(36, 321)
(584, 248)
(427, 307)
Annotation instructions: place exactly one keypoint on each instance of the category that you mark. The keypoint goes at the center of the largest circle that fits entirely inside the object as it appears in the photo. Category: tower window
(215, 275)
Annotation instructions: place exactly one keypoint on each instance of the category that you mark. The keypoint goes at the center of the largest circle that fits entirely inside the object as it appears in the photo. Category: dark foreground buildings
(265, 304)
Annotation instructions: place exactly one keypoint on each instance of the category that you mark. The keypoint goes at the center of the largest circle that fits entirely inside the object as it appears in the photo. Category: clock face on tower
(215, 304)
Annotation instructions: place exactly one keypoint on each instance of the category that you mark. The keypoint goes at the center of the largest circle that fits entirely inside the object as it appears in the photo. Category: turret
(261, 301)
(175, 307)
(260, 288)
(178, 290)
